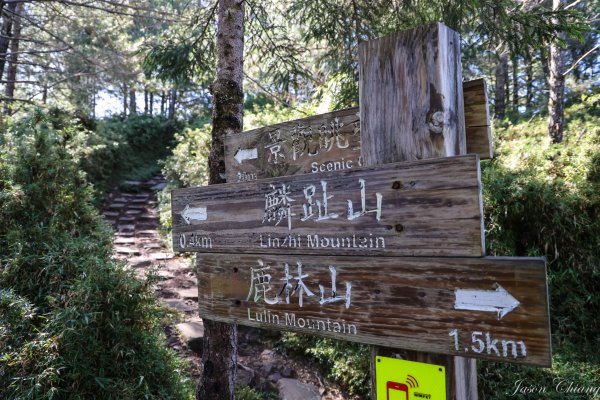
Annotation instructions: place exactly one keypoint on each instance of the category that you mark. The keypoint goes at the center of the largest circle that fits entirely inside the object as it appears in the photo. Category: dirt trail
(134, 217)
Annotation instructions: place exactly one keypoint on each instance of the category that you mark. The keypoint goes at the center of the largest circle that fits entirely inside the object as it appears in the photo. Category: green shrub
(544, 200)
(74, 323)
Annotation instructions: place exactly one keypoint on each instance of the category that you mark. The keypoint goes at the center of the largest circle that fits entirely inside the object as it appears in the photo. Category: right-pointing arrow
(498, 301)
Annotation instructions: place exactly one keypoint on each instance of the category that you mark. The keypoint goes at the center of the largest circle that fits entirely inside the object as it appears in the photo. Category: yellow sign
(409, 380)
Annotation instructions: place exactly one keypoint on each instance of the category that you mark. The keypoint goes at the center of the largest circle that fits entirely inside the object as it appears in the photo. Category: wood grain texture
(412, 107)
(429, 207)
(477, 118)
(311, 140)
(395, 302)
(292, 147)
(411, 84)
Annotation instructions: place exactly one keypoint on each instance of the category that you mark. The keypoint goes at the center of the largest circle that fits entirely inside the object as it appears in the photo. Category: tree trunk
(125, 94)
(500, 98)
(13, 59)
(528, 81)
(162, 103)
(556, 87)
(145, 100)
(151, 101)
(132, 102)
(219, 356)
(5, 34)
(545, 66)
(45, 93)
(172, 103)
(515, 83)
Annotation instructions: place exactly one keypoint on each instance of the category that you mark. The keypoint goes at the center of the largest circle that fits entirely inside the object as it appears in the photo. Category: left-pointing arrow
(245, 154)
(190, 214)
(498, 301)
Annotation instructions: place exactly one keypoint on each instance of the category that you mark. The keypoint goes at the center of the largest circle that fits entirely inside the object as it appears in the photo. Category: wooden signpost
(385, 210)
(370, 229)
(494, 308)
(331, 142)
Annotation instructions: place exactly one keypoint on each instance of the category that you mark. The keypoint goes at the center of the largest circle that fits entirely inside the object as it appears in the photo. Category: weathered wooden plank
(477, 118)
(411, 107)
(428, 207)
(480, 138)
(295, 147)
(417, 77)
(476, 103)
(410, 303)
(310, 144)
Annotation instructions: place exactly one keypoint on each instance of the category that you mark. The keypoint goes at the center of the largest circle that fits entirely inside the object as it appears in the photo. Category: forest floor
(262, 365)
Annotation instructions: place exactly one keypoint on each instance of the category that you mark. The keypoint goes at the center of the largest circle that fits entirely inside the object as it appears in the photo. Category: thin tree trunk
(132, 102)
(162, 103)
(172, 102)
(151, 109)
(45, 93)
(13, 59)
(515, 83)
(5, 34)
(506, 87)
(528, 81)
(145, 100)
(545, 66)
(125, 94)
(94, 103)
(219, 356)
(500, 98)
(556, 87)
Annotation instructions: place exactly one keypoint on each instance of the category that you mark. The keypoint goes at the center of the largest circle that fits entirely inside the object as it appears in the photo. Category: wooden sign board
(331, 141)
(493, 308)
(418, 208)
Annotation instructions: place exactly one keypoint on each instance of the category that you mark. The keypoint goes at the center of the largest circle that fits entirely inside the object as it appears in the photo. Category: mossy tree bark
(219, 357)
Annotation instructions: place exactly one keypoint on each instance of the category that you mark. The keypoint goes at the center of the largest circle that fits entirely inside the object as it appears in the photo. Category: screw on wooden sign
(413, 303)
(414, 208)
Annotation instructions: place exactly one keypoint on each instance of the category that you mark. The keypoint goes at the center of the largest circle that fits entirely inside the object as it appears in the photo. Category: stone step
(187, 294)
(126, 228)
(179, 305)
(127, 251)
(191, 333)
(293, 389)
(124, 240)
(139, 262)
(161, 256)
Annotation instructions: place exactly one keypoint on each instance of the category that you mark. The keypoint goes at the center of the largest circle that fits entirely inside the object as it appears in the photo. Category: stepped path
(131, 211)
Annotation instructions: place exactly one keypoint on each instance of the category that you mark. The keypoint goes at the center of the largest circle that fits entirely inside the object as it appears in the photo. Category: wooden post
(411, 107)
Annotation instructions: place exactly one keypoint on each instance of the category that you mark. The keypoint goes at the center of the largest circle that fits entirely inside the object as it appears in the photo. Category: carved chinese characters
(385, 210)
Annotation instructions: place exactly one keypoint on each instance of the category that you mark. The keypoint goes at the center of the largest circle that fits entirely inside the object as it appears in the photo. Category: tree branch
(580, 59)
(273, 96)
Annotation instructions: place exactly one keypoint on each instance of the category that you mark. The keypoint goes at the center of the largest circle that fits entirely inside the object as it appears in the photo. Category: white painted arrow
(245, 154)
(498, 301)
(197, 213)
